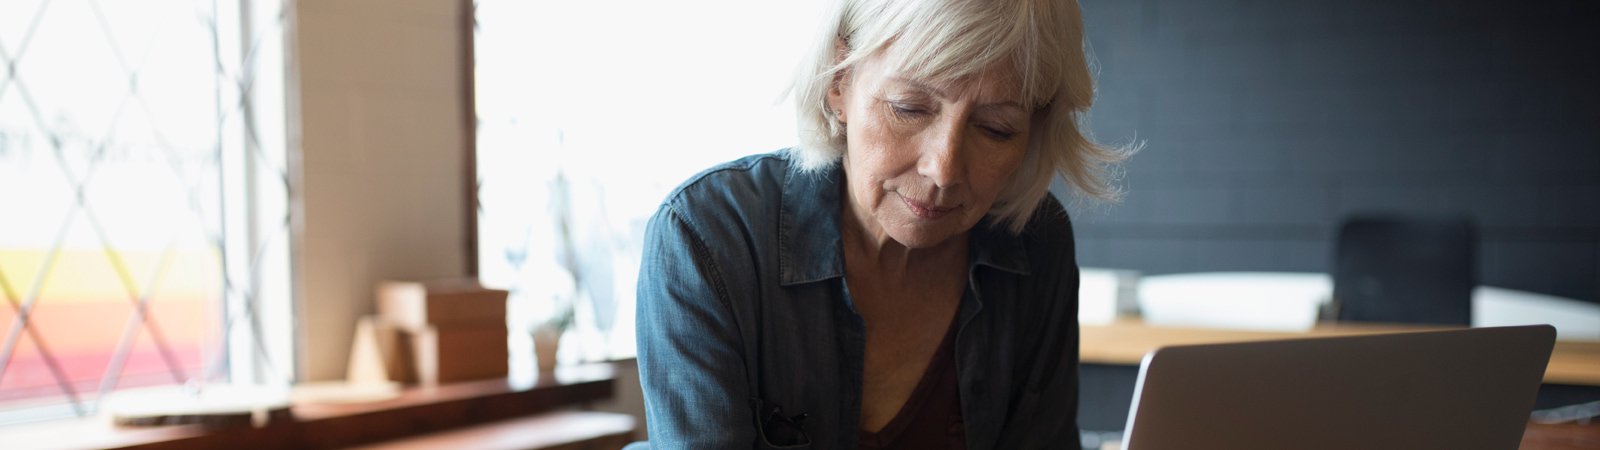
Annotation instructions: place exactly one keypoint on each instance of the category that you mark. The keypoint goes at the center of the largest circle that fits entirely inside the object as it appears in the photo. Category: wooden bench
(560, 430)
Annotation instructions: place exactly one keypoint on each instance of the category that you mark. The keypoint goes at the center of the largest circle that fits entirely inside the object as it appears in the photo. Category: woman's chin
(922, 236)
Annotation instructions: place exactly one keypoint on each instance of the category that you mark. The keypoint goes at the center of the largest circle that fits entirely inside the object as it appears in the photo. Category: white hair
(948, 40)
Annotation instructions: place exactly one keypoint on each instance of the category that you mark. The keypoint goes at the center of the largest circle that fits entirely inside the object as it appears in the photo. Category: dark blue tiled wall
(1266, 122)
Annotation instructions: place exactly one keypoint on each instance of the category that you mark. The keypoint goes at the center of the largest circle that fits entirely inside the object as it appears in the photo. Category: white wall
(383, 181)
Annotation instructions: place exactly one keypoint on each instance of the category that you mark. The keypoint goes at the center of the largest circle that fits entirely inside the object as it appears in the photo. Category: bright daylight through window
(143, 200)
(588, 116)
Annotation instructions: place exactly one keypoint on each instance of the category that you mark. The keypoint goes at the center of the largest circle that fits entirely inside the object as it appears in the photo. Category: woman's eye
(907, 110)
(999, 134)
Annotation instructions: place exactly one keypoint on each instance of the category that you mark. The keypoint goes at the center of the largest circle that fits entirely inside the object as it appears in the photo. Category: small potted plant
(547, 337)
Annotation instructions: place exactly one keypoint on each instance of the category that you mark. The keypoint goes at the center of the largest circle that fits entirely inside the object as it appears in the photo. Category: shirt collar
(809, 246)
(994, 246)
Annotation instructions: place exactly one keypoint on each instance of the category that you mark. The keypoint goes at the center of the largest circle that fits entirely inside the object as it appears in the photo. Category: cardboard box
(452, 354)
(462, 302)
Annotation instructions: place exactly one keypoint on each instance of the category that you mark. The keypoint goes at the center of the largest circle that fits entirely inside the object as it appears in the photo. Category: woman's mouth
(925, 210)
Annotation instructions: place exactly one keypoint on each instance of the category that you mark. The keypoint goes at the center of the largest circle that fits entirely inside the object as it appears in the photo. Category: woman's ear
(839, 82)
(836, 101)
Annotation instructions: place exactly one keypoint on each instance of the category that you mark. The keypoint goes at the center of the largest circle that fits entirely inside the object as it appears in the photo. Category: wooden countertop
(1127, 340)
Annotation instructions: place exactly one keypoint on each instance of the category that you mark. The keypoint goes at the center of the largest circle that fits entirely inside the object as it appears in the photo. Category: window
(143, 199)
(589, 114)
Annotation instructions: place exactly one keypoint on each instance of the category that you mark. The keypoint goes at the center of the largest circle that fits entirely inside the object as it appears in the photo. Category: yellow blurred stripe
(87, 275)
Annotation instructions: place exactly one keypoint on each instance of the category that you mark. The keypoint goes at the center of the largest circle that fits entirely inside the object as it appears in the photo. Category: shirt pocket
(780, 432)
(785, 442)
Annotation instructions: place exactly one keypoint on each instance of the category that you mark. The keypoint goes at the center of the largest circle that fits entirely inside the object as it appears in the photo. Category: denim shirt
(747, 337)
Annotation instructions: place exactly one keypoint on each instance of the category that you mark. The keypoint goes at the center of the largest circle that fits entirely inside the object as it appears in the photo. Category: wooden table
(1127, 340)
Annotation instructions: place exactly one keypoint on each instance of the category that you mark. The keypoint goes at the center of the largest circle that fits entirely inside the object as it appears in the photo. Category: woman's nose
(941, 158)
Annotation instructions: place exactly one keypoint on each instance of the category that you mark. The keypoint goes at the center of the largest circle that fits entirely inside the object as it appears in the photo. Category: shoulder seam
(743, 164)
(703, 251)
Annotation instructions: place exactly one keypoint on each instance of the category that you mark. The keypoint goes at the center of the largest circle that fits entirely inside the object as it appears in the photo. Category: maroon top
(931, 418)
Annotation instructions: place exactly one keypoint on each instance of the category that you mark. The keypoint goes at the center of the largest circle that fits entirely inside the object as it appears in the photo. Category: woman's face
(924, 160)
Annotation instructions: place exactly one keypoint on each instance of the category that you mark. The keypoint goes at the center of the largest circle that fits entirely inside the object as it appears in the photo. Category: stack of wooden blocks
(442, 331)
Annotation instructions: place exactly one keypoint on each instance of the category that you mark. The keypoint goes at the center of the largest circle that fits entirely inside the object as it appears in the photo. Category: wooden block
(452, 354)
(368, 359)
(448, 302)
(379, 354)
(398, 361)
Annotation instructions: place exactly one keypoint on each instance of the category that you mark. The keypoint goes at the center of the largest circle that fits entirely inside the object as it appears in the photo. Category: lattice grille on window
(143, 199)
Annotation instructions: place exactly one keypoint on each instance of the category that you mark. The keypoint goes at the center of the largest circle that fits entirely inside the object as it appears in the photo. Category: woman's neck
(870, 250)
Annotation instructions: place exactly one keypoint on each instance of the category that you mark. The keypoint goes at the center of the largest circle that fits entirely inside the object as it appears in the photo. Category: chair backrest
(1406, 269)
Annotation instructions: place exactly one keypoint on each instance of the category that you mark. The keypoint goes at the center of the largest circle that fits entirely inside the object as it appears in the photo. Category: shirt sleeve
(690, 350)
(1046, 417)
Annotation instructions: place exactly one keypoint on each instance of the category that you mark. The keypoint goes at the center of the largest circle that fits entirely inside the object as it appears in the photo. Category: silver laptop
(1459, 390)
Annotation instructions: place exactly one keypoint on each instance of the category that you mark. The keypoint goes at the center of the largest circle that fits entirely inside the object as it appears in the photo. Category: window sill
(416, 411)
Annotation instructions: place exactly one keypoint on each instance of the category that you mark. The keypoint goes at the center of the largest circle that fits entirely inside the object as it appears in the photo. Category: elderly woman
(903, 279)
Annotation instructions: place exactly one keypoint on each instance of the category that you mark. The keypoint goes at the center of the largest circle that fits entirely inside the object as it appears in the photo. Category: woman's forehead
(998, 82)
(999, 79)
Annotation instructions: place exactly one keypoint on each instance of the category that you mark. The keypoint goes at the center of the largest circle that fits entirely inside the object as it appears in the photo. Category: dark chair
(1406, 269)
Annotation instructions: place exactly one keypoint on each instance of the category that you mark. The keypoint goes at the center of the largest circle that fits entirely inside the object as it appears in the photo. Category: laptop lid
(1458, 389)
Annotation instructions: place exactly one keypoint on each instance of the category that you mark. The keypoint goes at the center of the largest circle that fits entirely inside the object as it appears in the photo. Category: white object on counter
(1271, 301)
(1575, 320)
